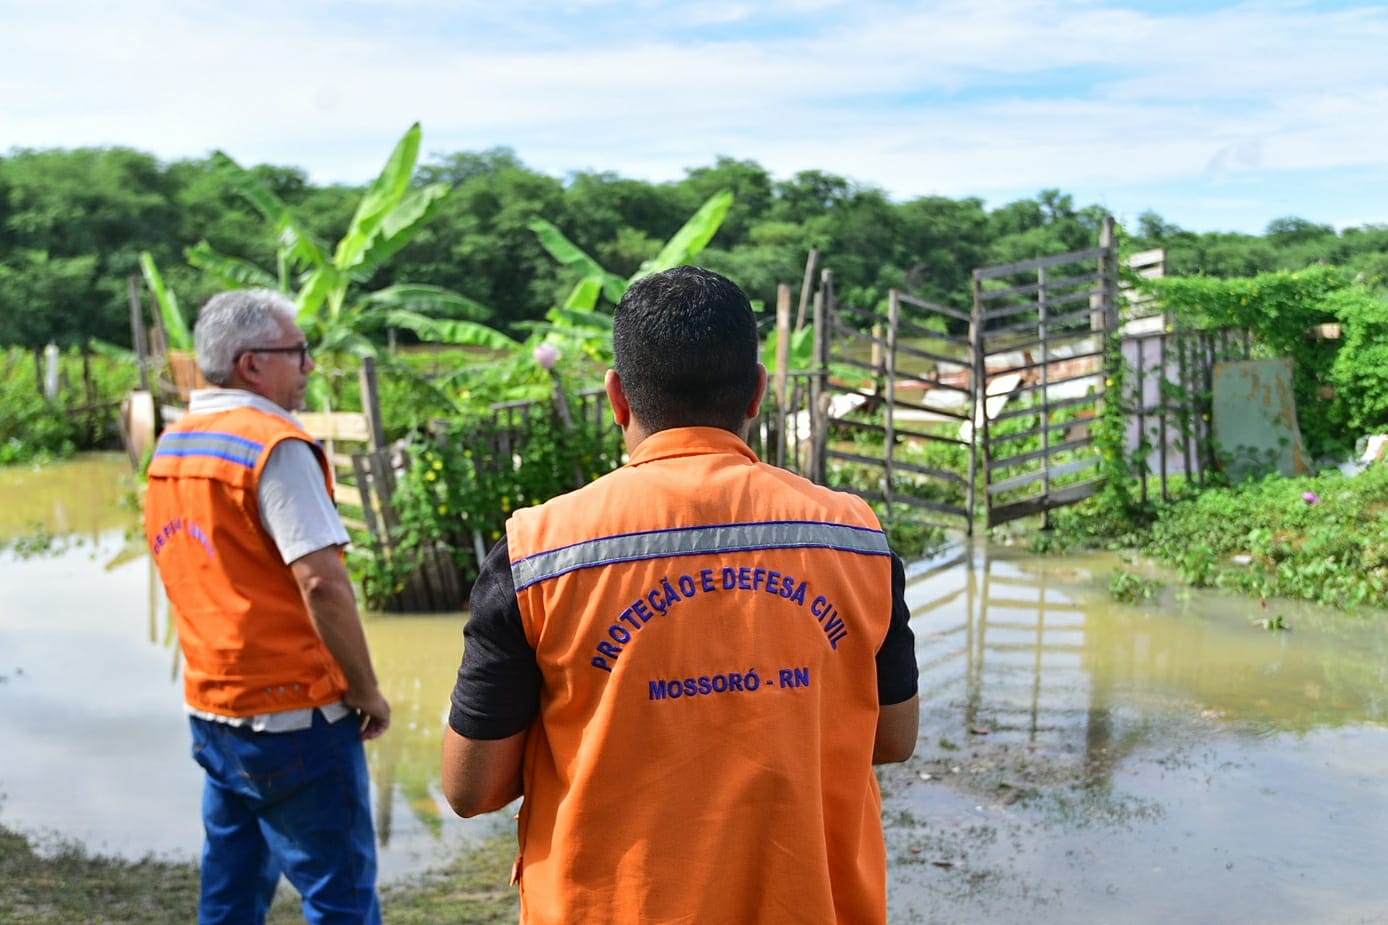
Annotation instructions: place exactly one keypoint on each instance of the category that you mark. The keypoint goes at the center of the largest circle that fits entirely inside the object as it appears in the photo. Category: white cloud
(998, 98)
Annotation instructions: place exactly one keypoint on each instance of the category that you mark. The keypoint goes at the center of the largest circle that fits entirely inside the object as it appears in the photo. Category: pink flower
(546, 355)
(1310, 497)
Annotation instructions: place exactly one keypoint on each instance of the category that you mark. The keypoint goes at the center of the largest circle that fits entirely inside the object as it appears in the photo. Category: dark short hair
(685, 346)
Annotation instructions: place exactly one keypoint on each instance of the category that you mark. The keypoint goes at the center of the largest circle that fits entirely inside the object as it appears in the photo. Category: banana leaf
(570, 255)
(399, 227)
(175, 328)
(232, 272)
(430, 300)
(114, 351)
(692, 238)
(385, 193)
(800, 355)
(585, 294)
(292, 238)
(313, 293)
(470, 333)
(572, 317)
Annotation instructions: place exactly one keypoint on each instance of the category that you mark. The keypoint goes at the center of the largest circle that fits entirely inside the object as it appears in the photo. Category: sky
(1216, 116)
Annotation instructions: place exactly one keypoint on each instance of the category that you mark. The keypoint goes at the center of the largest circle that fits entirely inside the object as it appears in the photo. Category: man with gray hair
(278, 680)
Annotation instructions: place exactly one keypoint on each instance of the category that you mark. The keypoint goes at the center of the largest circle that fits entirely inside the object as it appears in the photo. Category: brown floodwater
(1081, 760)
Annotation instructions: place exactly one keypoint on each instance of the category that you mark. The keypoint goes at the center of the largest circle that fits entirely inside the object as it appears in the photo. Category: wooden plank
(371, 403)
(996, 465)
(351, 426)
(1038, 388)
(1061, 497)
(1077, 402)
(1008, 269)
(933, 307)
(939, 507)
(929, 355)
(348, 494)
(1022, 435)
(1075, 337)
(1053, 472)
(994, 312)
(1049, 285)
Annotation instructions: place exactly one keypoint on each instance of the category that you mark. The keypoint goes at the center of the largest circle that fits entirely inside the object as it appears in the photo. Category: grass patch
(65, 885)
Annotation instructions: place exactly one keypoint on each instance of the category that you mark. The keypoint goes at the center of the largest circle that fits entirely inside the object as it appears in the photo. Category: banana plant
(596, 283)
(326, 283)
(176, 330)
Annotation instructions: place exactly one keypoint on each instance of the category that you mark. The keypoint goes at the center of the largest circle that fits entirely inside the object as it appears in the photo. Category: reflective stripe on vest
(683, 541)
(210, 443)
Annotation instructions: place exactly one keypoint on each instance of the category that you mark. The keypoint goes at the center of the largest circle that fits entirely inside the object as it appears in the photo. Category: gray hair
(231, 322)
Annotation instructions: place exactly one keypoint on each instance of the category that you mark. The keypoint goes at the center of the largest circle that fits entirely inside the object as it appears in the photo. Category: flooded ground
(1081, 761)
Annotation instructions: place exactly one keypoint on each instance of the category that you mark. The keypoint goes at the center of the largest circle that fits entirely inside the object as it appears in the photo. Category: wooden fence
(1040, 331)
(1008, 407)
(915, 408)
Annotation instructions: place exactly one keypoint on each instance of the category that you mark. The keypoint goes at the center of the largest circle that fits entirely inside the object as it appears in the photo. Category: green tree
(479, 242)
(80, 216)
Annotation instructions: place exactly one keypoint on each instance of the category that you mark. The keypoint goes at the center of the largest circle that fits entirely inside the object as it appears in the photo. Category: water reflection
(96, 742)
(1080, 760)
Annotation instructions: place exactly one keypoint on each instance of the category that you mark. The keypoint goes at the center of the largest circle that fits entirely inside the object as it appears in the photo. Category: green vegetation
(461, 486)
(63, 884)
(489, 245)
(1342, 377)
(80, 417)
(74, 222)
(1317, 538)
(1130, 588)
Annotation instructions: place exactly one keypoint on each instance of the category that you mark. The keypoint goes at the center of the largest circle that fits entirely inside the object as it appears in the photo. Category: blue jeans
(291, 802)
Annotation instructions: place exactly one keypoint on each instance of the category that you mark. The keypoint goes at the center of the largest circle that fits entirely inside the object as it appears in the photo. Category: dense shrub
(81, 416)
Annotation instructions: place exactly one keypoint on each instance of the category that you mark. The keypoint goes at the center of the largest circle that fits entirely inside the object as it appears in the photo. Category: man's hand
(375, 713)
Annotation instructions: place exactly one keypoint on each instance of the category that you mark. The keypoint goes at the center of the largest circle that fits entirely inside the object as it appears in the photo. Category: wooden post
(371, 403)
(137, 330)
(811, 265)
(889, 392)
(819, 403)
(978, 390)
(783, 335)
(814, 411)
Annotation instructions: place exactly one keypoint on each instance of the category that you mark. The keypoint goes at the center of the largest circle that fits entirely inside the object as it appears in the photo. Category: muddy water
(1080, 760)
(93, 739)
(1084, 761)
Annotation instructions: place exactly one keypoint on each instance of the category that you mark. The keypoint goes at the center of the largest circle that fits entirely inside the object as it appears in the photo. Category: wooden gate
(1040, 334)
(890, 408)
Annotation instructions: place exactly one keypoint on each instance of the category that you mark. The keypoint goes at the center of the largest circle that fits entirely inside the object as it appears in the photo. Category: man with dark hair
(688, 667)
(277, 677)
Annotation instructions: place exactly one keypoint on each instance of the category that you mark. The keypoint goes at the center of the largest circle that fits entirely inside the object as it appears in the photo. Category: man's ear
(246, 371)
(617, 398)
(755, 408)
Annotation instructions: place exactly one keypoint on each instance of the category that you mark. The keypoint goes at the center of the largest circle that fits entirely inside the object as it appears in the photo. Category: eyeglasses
(300, 348)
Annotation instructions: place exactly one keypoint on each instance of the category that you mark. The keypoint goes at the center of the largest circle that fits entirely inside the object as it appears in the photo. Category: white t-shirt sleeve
(294, 505)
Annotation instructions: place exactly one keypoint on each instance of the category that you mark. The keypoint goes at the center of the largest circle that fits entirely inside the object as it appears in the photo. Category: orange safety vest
(249, 645)
(706, 627)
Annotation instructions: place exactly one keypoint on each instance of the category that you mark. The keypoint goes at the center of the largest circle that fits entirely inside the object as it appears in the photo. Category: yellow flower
(430, 476)
(438, 464)
(443, 509)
